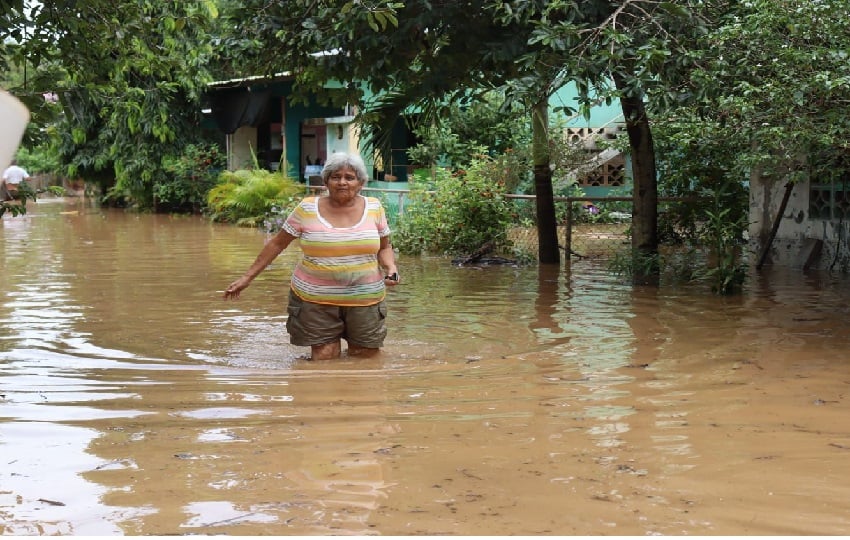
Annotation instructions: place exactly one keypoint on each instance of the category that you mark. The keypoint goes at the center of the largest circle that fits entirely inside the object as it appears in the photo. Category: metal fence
(588, 227)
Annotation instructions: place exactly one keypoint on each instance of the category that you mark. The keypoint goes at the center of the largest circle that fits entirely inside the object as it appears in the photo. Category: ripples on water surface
(507, 401)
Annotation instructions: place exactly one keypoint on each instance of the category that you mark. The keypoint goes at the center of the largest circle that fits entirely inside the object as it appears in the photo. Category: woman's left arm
(386, 258)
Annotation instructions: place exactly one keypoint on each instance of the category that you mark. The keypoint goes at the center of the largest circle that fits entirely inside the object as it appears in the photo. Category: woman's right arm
(270, 251)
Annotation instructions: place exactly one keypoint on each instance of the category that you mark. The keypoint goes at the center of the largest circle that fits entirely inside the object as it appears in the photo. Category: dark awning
(239, 107)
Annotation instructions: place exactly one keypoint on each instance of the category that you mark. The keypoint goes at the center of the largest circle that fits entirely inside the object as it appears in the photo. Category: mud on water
(134, 401)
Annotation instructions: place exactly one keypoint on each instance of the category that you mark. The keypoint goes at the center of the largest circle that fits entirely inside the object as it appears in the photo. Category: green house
(258, 120)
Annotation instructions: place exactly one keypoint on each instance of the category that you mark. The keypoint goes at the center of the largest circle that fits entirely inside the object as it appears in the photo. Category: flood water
(135, 401)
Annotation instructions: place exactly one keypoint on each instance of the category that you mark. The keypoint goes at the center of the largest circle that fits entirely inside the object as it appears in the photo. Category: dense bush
(466, 211)
(189, 178)
(697, 161)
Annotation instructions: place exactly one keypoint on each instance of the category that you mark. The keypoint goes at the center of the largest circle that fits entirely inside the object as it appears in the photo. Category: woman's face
(343, 184)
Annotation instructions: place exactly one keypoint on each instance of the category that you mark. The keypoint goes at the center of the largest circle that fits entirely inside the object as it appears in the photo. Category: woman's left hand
(391, 280)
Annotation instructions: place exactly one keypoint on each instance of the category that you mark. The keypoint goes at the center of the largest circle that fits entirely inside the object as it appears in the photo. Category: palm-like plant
(246, 197)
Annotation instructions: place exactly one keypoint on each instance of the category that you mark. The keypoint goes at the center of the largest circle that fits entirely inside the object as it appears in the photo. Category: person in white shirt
(12, 178)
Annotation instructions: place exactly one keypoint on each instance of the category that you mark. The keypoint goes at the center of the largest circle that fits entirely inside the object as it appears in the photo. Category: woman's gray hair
(341, 160)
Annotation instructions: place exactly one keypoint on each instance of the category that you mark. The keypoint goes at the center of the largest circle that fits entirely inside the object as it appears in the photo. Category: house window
(830, 200)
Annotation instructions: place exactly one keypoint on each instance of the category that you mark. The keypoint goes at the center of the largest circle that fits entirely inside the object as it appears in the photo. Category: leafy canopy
(128, 74)
(777, 72)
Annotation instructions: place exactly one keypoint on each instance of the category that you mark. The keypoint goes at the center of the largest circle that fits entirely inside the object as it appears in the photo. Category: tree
(627, 51)
(132, 75)
(426, 54)
(398, 57)
(766, 101)
(467, 131)
(778, 73)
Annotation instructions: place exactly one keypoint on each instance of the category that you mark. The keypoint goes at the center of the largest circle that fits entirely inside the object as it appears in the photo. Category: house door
(313, 146)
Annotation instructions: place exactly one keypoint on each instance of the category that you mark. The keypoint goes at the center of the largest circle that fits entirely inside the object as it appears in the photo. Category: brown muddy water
(135, 401)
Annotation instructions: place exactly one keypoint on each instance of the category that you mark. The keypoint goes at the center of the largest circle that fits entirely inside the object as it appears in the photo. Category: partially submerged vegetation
(125, 115)
(250, 197)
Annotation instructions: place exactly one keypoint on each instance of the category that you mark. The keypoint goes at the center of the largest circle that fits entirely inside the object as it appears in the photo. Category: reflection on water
(133, 400)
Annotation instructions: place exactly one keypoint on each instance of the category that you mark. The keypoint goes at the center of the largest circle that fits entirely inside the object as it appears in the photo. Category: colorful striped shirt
(339, 265)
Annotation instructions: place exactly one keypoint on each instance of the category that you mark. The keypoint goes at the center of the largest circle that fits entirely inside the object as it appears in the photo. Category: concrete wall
(801, 241)
(239, 148)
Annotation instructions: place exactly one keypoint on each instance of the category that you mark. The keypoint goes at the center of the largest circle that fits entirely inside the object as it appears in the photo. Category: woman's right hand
(232, 291)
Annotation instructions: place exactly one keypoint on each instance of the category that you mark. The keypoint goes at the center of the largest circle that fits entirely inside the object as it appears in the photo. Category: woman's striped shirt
(339, 264)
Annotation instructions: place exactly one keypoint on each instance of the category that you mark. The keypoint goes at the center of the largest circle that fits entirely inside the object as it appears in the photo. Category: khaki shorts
(311, 324)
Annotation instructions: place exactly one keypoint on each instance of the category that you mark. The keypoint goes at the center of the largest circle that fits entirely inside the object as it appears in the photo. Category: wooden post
(568, 233)
(766, 248)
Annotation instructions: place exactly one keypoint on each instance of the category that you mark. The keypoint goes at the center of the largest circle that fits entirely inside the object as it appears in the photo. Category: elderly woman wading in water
(338, 287)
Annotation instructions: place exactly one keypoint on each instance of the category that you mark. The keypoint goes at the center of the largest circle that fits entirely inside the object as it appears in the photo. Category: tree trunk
(645, 197)
(547, 224)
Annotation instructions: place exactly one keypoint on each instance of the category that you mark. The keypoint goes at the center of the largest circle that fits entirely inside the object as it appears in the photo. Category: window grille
(830, 200)
(612, 173)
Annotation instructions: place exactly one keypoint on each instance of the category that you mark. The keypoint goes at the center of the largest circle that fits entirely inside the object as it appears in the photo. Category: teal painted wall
(601, 115)
(295, 116)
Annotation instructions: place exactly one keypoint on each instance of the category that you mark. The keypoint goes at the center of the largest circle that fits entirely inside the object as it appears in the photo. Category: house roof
(243, 81)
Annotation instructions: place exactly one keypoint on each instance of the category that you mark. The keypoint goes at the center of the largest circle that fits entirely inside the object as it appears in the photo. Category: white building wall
(798, 235)
(241, 146)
